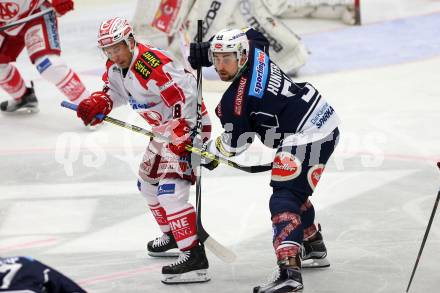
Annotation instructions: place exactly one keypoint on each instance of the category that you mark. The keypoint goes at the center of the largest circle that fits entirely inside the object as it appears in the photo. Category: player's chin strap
(190, 148)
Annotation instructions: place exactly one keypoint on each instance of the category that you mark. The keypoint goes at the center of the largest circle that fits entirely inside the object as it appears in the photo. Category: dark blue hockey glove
(199, 55)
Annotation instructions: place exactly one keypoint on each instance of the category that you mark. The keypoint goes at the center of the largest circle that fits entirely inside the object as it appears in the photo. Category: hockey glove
(62, 6)
(211, 165)
(208, 163)
(180, 137)
(199, 55)
(97, 103)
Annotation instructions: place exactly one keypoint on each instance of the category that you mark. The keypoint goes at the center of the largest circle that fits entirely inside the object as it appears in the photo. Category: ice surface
(68, 195)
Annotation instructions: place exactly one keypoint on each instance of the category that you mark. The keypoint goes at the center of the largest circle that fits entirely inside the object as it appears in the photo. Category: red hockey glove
(62, 6)
(180, 137)
(97, 103)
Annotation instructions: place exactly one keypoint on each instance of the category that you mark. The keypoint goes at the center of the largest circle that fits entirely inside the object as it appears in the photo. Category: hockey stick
(192, 149)
(26, 19)
(357, 12)
(425, 236)
(214, 246)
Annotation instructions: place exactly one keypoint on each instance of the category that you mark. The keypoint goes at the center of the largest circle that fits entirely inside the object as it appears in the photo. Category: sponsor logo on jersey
(166, 189)
(218, 110)
(285, 167)
(151, 59)
(8, 10)
(43, 65)
(275, 79)
(152, 117)
(35, 39)
(259, 74)
(314, 175)
(323, 115)
(142, 68)
(135, 105)
(166, 85)
(238, 102)
(52, 31)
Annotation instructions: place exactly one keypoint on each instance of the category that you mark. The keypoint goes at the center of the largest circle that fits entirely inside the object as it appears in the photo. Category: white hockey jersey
(156, 87)
(13, 10)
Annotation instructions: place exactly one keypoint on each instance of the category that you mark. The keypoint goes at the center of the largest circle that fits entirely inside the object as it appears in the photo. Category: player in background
(290, 117)
(24, 274)
(173, 24)
(40, 37)
(165, 95)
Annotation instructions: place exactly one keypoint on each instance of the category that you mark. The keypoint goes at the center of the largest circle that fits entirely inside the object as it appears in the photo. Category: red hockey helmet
(113, 31)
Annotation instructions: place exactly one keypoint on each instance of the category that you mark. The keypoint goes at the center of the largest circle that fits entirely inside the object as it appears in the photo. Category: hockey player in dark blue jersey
(291, 117)
(24, 274)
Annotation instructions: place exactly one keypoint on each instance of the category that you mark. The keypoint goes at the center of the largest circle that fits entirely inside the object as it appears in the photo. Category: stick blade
(223, 253)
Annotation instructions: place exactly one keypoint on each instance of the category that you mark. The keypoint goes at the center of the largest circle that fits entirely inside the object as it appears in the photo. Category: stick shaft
(26, 19)
(192, 149)
(425, 237)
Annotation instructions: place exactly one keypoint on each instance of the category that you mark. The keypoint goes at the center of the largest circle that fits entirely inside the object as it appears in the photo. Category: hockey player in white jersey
(165, 95)
(40, 37)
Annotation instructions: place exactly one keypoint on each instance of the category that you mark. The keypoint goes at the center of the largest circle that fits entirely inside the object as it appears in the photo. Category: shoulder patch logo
(259, 74)
(151, 59)
(142, 68)
(238, 102)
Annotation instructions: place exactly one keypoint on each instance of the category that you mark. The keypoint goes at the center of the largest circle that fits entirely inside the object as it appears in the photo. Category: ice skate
(27, 103)
(314, 253)
(286, 279)
(163, 246)
(190, 267)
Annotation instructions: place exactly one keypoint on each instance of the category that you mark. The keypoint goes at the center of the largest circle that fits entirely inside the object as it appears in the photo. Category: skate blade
(22, 111)
(315, 263)
(168, 253)
(293, 287)
(199, 276)
(94, 127)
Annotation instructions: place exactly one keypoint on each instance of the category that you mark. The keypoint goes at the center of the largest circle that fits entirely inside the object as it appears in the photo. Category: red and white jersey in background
(156, 87)
(13, 10)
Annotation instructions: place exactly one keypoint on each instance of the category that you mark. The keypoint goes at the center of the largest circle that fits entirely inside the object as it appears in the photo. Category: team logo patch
(151, 59)
(152, 117)
(259, 74)
(285, 167)
(8, 10)
(166, 189)
(238, 102)
(34, 39)
(314, 175)
(142, 68)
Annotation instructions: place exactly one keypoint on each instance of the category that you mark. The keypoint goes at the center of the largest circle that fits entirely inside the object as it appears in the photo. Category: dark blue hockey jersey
(29, 275)
(264, 101)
